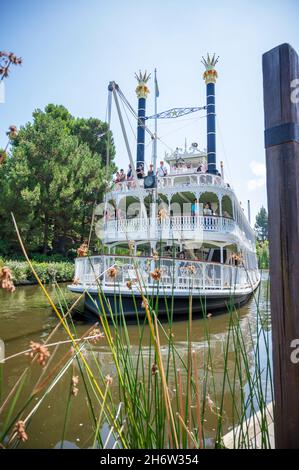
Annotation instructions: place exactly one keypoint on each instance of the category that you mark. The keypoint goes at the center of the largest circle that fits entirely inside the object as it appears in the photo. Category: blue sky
(72, 48)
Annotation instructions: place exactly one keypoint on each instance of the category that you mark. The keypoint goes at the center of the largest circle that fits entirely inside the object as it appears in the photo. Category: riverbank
(48, 271)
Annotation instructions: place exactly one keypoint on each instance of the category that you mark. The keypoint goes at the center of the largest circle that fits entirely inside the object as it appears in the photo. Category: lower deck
(128, 278)
(145, 272)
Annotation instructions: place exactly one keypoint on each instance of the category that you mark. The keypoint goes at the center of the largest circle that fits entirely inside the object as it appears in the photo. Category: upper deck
(185, 183)
(178, 179)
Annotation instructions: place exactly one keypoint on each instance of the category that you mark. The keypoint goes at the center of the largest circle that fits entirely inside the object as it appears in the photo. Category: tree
(261, 225)
(52, 178)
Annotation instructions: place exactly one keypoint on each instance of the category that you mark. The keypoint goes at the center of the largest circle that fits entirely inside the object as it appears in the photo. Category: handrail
(201, 179)
(209, 223)
(182, 272)
(114, 229)
(170, 217)
(152, 258)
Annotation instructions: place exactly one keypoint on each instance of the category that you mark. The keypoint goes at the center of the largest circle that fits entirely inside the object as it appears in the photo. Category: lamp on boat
(210, 75)
(142, 92)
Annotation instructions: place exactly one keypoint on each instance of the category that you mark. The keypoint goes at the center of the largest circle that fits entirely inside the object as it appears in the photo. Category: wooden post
(280, 69)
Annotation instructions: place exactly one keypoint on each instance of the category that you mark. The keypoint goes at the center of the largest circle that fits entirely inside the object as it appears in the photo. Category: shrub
(47, 272)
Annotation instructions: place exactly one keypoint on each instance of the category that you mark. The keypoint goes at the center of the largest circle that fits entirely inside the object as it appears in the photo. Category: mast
(114, 87)
(210, 76)
(108, 131)
(142, 92)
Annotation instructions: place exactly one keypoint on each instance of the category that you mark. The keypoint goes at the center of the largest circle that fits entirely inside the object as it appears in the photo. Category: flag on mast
(157, 93)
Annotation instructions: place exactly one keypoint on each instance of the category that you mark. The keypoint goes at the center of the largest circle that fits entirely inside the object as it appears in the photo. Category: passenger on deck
(162, 170)
(122, 176)
(130, 178)
(168, 252)
(129, 173)
(208, 209)
(194, 208)
(151, 170)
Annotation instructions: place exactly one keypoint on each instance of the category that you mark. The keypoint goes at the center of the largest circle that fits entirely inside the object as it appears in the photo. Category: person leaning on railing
(162, 170)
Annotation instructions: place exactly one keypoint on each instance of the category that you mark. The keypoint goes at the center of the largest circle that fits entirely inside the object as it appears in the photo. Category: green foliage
(47, 271)
(262, 251)
(261, 225)
(95, 134)
(53, 177)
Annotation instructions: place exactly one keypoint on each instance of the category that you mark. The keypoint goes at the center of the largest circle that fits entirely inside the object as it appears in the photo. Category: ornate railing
(192, 179)
(182, 178)
(127, 186)
(169, 227)
(178, 274)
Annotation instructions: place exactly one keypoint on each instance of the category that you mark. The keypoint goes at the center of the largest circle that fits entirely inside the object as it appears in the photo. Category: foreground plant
(156, 396)
(6, 281)
(6, 60)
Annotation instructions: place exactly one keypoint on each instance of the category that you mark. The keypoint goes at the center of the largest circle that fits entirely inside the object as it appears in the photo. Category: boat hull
(130, 304)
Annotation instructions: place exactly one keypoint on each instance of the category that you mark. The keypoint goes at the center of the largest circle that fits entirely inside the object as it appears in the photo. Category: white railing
(182, 170)
(141, 228)
(178, 274)
(126, 186)
(183, 178)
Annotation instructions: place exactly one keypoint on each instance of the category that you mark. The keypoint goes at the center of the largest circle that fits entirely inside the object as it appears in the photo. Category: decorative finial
(210, 75)
(142, 89)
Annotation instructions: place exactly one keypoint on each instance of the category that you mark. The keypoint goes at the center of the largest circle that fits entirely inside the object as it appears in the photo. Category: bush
(47, 272)
(262, 251)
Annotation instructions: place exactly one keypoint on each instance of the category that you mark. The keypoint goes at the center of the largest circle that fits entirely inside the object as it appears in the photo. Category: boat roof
(192, 154)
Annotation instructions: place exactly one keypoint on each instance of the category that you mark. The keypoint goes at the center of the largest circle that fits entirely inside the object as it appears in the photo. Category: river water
(26, 316)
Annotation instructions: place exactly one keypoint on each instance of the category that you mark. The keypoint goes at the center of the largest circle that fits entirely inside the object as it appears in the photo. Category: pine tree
(261, 225)
(52, 178)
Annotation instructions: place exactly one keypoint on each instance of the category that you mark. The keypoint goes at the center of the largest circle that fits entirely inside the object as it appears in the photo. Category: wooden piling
(280, 69)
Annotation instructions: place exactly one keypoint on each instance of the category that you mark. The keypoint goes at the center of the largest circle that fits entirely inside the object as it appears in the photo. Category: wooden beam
(280, 68)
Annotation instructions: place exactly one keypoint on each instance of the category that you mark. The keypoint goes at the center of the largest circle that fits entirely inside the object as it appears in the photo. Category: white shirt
(162, 171)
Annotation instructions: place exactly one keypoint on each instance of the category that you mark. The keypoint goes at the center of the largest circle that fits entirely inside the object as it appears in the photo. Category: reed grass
(160, 396)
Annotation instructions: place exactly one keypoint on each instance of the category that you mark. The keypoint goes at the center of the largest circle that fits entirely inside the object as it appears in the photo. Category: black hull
(201, 305)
